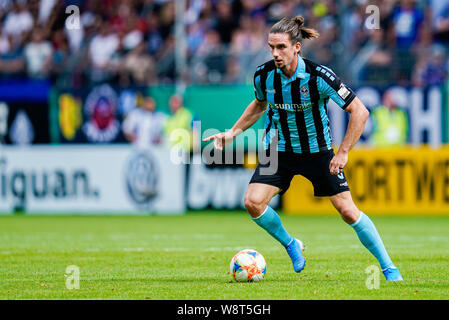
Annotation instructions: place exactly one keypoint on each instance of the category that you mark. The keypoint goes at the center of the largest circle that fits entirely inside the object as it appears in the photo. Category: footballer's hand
(338, 162)
(221, 139)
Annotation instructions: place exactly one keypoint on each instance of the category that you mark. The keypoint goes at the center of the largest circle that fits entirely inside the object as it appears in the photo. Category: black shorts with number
(313, 166)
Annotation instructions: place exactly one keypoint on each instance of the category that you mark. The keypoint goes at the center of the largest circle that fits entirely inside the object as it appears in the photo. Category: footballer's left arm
(358, 116)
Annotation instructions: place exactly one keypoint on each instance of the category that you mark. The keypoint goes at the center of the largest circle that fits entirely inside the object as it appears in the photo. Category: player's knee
(349, 214)
(254, 205)
(347, 209)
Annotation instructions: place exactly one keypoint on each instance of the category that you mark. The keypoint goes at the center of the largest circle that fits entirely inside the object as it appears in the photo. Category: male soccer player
(296, 91)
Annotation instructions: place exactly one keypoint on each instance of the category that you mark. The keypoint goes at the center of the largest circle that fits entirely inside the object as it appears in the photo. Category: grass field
(187, 257)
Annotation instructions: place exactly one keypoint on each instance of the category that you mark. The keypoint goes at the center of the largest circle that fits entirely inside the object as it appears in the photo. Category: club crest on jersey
(304, 91)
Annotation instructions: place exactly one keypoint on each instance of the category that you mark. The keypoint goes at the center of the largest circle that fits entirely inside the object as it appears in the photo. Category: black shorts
(313, 166)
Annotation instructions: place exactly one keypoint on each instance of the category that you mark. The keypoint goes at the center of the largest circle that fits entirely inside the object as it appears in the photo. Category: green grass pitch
(187, 257)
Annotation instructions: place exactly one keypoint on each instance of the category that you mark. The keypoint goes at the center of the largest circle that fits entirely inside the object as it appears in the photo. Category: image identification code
(226, 309)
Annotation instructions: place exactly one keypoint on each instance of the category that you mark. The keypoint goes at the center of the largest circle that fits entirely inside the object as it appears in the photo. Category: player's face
(282, 49)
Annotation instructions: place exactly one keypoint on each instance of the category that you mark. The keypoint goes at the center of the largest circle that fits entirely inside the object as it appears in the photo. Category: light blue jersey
(297, 107)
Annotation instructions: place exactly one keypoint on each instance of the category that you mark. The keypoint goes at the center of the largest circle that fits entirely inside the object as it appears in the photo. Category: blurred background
(135, 42)
(91, 92)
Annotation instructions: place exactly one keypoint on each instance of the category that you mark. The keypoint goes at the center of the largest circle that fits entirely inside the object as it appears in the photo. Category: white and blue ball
(248, 265)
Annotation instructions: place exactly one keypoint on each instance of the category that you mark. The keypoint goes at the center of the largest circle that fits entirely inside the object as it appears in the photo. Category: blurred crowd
(134, 41)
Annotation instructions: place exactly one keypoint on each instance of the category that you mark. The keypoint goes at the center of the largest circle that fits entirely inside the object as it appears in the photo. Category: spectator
(4, 42)
(133, 36)
(45, 10)
(433, 69)
(138, 67)
(165, 66)
(233, 71)
(225, 38)
(143, 126)
(38, 55)
(154, 37)
(12, 62)
(390, 123)
(441, 24)
(195, 36)
(167, 19)
(211, 56)
(19, 21)
(225, 22)
(407, 20)
(101, 51)
(353, 32)
(379, 59)
(249, 37)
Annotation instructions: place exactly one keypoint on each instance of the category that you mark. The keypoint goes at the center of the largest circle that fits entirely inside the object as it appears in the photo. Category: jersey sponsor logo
(343, 92)
(270, 91)
(295, 107)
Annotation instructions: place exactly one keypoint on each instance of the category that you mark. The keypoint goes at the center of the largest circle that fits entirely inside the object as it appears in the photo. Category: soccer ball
(248, 265)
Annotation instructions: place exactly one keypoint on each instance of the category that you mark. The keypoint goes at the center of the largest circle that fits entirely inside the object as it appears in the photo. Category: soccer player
(296, 92)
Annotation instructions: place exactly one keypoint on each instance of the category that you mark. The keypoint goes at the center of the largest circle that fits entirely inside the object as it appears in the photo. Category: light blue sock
(370, 238)
(271, 222)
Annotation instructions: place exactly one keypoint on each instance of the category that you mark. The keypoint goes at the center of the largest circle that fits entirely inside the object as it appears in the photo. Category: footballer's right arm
(252, 113)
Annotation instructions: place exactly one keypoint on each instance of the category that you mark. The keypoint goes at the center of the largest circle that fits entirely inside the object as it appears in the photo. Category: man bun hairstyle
(294, 27)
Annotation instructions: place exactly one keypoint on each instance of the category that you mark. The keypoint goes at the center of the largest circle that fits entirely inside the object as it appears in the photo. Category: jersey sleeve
(258, 91)
(330, 86)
